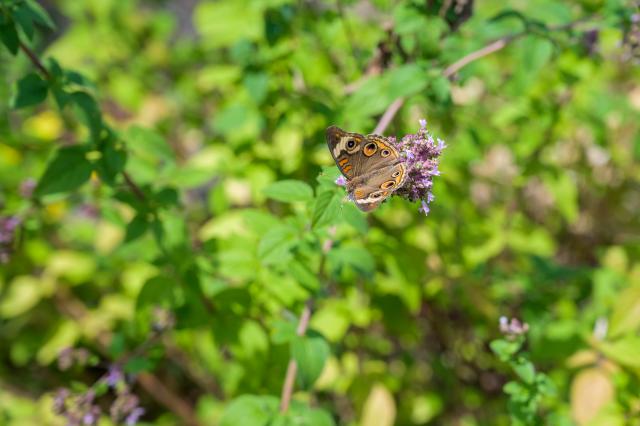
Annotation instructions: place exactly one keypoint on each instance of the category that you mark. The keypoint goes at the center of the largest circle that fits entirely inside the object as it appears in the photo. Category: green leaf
(111, 162)
(276, 244)
(90, 113)
(149, 143)
(277, 22)
(250, 410)
(39, 14)
(137, 365)
(536, 52)
(516, 389)
(31, 90)
(505, 349)
(117, 345)
(301, 414)
(23, 294)
(545, 385)
(157, 290)
(74, 77)
(626, 313)
(167, 197)
(136, 228)
(525, 370)
(510, 13)
(224, 23)
(326, 210)
(310, 353)
(259, 221)
(354, 217)
(441, 89)
(60, 95)
(283, 332)
(357, 258)
(304, 276)
(406, 80)
(289, 191)
(24, 16)
(314, 417)
(623, 351)
(9, 37)
(68, 170)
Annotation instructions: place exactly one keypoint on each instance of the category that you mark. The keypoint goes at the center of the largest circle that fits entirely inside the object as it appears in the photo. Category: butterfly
(372, 166)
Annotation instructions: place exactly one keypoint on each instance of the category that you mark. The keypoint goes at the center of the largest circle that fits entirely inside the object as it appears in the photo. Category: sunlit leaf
(250, 410)
(67, 171)
(31, 90)
(275, 245)
(310, 353)
(379, 408)
(326, 210)
(289, 191)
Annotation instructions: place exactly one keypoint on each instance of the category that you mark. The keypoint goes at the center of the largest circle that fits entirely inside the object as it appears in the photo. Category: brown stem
(388, 115)
(168, 398)
(133, 186)
(292, 368)
(303, 324)
(477, 54)
(35, 60)
(490, 48)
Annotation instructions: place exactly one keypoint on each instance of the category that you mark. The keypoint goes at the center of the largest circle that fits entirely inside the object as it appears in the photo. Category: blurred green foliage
(170, 154)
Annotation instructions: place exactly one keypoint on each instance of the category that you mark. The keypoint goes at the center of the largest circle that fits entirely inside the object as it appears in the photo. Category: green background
(213, 102)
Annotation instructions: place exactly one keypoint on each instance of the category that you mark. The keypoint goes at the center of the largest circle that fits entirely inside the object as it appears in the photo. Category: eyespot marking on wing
(348, 143)
(370, 149)
(388, 184)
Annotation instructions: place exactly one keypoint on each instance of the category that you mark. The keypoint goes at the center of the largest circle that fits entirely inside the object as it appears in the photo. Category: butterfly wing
(371, 164)
(371, 190)
(357, 155)
(344, 148)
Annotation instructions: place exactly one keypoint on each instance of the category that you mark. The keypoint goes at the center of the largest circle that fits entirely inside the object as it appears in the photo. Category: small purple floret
(134, 416)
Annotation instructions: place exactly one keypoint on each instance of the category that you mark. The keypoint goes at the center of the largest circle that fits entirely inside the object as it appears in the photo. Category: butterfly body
(371, 164)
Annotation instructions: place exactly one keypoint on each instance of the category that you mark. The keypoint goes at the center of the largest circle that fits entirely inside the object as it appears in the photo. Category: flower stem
(292, 368)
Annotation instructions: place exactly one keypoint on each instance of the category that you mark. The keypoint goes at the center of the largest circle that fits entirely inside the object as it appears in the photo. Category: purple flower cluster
(513, 327)
(126, 408)
(163, 319)
(78, 410)
(8, 226)
(421, 154)
(81, 409)
(69, 357)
